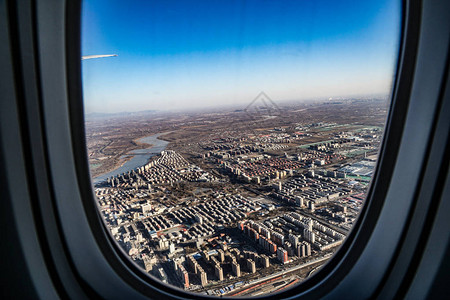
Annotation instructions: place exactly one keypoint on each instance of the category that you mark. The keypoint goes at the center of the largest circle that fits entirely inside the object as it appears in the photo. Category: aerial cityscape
(232, 144)
(240, 202)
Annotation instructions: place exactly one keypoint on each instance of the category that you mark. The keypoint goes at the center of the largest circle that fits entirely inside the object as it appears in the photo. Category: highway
(281, 273)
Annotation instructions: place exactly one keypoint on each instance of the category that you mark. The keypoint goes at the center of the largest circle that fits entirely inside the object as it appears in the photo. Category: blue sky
(197, 54)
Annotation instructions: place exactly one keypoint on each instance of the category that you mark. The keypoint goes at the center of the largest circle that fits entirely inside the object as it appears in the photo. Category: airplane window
(232, 143)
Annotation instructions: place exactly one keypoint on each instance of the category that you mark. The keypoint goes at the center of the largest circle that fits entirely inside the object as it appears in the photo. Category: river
(140, 156)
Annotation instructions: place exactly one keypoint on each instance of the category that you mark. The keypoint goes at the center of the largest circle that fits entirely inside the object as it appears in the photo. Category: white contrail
(97, 56)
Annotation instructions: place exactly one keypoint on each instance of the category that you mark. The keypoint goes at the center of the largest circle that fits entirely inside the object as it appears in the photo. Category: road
(283, 272)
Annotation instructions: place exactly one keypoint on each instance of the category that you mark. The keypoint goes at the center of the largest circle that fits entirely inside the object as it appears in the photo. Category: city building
(236, 268)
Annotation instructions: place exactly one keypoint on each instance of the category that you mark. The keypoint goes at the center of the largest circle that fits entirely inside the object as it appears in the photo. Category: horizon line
(234, 106)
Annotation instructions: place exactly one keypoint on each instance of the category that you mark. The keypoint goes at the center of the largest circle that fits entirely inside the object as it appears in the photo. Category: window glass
(232, 143)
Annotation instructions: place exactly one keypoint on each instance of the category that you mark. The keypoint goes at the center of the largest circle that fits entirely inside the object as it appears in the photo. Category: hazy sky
(187, 54)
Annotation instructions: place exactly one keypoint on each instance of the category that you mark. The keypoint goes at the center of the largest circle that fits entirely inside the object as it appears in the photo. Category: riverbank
(138, 157)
